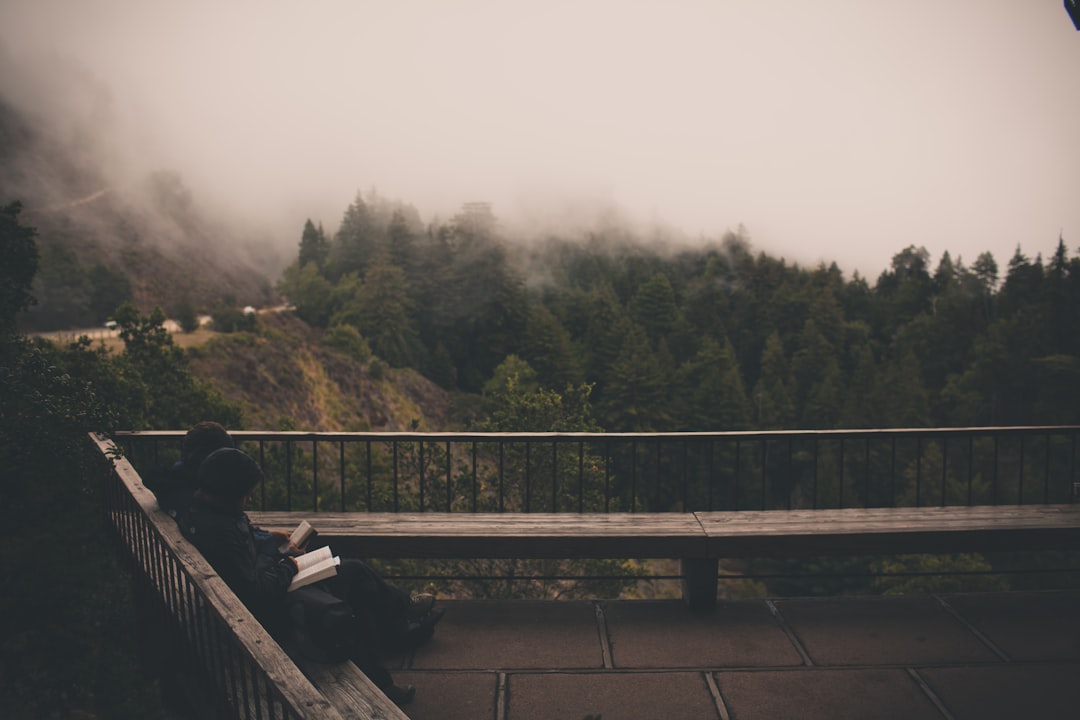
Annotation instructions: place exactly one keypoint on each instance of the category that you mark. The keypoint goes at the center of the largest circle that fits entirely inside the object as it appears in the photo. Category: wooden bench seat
(502, 535)
(698, 539)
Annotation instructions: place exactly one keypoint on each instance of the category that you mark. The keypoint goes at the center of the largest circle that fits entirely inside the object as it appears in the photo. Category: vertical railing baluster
(892, 474)
(394, 455)
(607, 475)
(1046, 477)
(944, 467)
(685, 474)
(995, 474)
(474, 483)
(554, 476)
(528, 480)
(449, 478)
(843, 477)
(764, 471)
(262, 464)
(421, 458)
(341, 472)
(581, 476)
(816, 473)
(502, 473)
(657, 499)
(288, 475)
(315, 476)
(1070, 487)
(790, 467)
(738, 472)
(971, 467)
(918, 471)
(866, 475)
(710, 458)
(369, 480)
(633, 476)
(1020, 475)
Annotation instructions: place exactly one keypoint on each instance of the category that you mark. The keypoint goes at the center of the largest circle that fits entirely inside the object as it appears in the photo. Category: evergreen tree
(19, 250)
(314, 247)
(379, 308)
(653, 307)
(774, 394)
(547, 347)
(637, 387)
(711, 392)
(355, 243)
(313, 296)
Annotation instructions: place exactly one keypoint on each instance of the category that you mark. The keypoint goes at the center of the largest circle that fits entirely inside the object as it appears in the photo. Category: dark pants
(380, 610)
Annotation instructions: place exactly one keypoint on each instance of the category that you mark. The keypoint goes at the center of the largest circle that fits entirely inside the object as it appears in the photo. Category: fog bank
(836, 130)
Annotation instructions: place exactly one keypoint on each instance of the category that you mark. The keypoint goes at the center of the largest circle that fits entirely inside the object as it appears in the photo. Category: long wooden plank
(502, 535)
(728, 534)
(891, 530)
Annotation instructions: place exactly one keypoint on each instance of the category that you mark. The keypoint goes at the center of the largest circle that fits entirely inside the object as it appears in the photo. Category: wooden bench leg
(699, 583)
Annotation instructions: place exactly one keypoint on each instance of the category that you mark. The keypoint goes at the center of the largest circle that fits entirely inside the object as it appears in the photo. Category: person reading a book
(250, 561)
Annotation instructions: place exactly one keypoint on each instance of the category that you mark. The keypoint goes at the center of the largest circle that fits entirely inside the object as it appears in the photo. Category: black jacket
(227, 540)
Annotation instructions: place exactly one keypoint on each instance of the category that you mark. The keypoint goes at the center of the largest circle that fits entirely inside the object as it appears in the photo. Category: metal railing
(188, 621)
(656, 472)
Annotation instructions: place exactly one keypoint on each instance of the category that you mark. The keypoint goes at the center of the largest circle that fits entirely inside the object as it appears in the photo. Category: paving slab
(1037, 691)
(451, 696)
(612, 696)
(513, 634)
(882, 631)
(1026, 625)
(824, 694)
(667, 634)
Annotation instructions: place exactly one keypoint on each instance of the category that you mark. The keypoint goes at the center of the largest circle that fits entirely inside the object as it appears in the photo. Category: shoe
(400, 695)
(420, 605)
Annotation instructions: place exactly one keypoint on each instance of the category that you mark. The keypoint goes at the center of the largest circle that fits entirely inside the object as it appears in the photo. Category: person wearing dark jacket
(247, 559)
(175, 486)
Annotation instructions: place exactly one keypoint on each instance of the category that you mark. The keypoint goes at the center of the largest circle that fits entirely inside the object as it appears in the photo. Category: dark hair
(229, 474)
(201, 440)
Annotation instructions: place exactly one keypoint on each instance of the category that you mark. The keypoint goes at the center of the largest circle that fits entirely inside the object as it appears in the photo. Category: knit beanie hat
(229, 474)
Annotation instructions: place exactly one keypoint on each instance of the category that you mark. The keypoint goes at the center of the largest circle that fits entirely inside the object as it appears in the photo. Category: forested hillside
(710, 335)
(288, 376)
(100, 243)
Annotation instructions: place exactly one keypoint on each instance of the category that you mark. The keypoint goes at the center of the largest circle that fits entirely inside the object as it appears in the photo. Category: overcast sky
(832, 129)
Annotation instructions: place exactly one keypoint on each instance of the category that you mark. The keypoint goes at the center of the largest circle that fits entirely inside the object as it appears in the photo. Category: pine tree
(355, 243)
(774, 394)
(712, 393)
(19, 250)
(314, 247)
(637, 388)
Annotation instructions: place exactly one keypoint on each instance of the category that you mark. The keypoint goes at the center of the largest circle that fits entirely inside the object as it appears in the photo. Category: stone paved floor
(985, 656)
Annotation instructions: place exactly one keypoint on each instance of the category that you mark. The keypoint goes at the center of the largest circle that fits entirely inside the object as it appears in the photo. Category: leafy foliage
(66, 613)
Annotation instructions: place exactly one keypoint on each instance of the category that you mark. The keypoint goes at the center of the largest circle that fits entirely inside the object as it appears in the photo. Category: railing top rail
(583, 436)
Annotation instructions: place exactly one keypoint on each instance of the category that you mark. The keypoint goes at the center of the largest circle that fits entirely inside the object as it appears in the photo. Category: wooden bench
(697, 539)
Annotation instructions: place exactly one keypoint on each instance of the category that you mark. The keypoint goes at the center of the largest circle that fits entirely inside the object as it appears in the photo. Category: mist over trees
(103, 239)
(707, 337)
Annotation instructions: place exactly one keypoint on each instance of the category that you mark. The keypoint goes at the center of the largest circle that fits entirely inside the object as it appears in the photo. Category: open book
(300, 536)
(314, 566)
